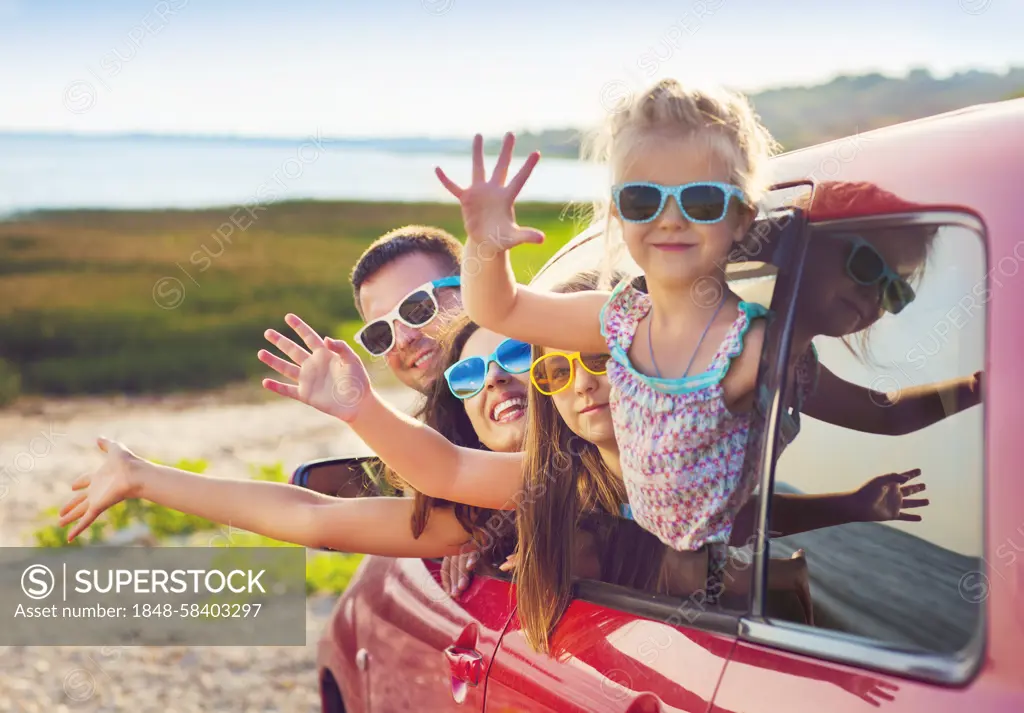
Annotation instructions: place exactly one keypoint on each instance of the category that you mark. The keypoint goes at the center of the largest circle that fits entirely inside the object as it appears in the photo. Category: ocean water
(45, 172)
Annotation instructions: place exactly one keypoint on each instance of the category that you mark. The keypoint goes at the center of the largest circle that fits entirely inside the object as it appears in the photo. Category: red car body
(398, 642)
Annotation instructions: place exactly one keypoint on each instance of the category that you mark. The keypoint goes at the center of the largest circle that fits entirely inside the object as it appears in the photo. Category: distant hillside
(804, 116)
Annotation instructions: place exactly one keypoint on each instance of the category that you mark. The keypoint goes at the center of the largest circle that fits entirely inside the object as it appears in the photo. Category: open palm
(105, 487)
(885, 497)
(330, 377)
(487, 205)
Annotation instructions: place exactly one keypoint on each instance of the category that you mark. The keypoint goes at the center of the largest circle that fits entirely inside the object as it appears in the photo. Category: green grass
(152, 301)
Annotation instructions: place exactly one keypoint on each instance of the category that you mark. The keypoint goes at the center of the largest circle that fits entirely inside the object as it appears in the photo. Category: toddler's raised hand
(487, 205)
(330, 377)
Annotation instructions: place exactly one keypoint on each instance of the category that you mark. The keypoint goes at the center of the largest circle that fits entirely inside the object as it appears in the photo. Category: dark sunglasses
(416, 309)
(700, 202)
(866, 266)
(466, 377)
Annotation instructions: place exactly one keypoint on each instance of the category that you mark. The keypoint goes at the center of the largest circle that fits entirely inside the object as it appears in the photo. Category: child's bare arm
(490, 294)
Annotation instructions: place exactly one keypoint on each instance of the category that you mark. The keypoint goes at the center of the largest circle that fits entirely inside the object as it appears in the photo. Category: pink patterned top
(681, 450)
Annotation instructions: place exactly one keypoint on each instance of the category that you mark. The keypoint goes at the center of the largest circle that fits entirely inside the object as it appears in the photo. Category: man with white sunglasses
(404, 284)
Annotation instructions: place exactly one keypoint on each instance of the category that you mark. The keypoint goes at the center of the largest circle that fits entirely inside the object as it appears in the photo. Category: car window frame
(954, 670)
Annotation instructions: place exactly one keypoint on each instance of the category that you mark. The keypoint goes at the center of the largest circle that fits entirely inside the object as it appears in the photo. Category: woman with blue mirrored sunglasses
(466, 377)
(699, 202)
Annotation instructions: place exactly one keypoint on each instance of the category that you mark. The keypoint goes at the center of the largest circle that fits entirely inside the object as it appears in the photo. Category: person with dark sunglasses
(853, 279)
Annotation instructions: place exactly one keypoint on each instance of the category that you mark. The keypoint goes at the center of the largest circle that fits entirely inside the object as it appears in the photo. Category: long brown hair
(564, 477)
(446, 414)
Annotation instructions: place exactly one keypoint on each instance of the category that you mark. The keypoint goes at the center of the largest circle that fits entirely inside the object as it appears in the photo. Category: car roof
(965, 160)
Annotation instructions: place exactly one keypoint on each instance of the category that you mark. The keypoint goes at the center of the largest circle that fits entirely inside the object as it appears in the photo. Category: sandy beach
(46, 443)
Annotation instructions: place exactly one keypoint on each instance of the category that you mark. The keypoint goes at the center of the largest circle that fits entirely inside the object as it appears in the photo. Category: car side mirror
(342, 477)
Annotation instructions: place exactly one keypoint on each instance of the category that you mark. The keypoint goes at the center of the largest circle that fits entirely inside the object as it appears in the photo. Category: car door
(623, 644)
(900, 606)
(424, 650)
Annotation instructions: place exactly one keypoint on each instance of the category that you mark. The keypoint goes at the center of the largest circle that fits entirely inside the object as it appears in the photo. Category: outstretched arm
(288, 513)
(893, 413)
(881, 499)
(331, 378)
(490, 294)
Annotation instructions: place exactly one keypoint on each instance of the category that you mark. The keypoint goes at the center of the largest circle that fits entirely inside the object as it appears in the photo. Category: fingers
(911, 474)
(519, 180)
(529, 235)
(504, 159)
(81, 481)
(282, 367)
(342, 349)
(908, 517)
(446, 577)
(309, 336)
(82, 524)
(912, 489)
(915, 503)
(292, 350)
(289, 390)
(72, 504)
(478, 159)
(448, 183)
(80, 508)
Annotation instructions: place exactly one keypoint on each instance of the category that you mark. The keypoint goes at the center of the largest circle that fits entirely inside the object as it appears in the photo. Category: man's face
(415, 351)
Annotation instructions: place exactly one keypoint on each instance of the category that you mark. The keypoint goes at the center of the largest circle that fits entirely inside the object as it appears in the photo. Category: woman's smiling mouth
(509, 409)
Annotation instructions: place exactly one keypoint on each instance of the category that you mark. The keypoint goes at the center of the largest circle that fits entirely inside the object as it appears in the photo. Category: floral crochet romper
(681, 450)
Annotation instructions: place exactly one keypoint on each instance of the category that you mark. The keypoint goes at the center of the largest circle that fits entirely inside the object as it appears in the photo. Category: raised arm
(892, 413)
(331, 378)
(490, 294)
(288, 513)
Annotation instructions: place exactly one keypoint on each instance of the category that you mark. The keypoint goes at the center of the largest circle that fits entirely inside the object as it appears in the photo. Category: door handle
(465, 664)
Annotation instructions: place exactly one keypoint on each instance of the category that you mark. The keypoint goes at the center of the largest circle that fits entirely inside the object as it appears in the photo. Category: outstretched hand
(885, 498)
(487, 205)
(330, 377)
(95, 492)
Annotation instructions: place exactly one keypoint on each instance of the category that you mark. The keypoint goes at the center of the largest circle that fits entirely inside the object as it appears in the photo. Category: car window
(898, 565)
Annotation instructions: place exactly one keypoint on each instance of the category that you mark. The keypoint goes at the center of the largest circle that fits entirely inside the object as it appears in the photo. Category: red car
(908, 616)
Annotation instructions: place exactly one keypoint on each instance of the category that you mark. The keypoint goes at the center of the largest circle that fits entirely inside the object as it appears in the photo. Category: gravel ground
(44, 445)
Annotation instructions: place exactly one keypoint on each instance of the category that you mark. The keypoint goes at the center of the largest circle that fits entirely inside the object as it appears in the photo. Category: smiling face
(415, 350)
(833, 303)
(584, 407)
(498, 412)
(670, 249)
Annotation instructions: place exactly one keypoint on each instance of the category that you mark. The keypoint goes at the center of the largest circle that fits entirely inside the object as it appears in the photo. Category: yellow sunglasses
(555, 371)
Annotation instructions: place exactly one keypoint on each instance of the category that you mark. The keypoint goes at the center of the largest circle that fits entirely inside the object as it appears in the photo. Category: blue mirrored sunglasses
(699, 202)
(466, 377)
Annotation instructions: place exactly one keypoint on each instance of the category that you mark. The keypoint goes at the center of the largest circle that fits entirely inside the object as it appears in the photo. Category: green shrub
(10, 383)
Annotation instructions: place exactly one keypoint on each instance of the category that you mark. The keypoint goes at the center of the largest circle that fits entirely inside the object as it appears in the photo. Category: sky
(447, 68)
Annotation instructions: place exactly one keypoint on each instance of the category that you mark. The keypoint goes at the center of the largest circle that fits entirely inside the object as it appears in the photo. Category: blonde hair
(723, 119)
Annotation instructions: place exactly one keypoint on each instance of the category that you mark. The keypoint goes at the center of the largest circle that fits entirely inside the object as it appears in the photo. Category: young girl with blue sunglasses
(687, 169)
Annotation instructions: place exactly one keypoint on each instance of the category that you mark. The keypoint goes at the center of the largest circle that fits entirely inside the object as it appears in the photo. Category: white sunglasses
(416, 309)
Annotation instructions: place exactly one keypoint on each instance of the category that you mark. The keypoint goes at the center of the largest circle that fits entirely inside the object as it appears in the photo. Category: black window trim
(950, 670)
